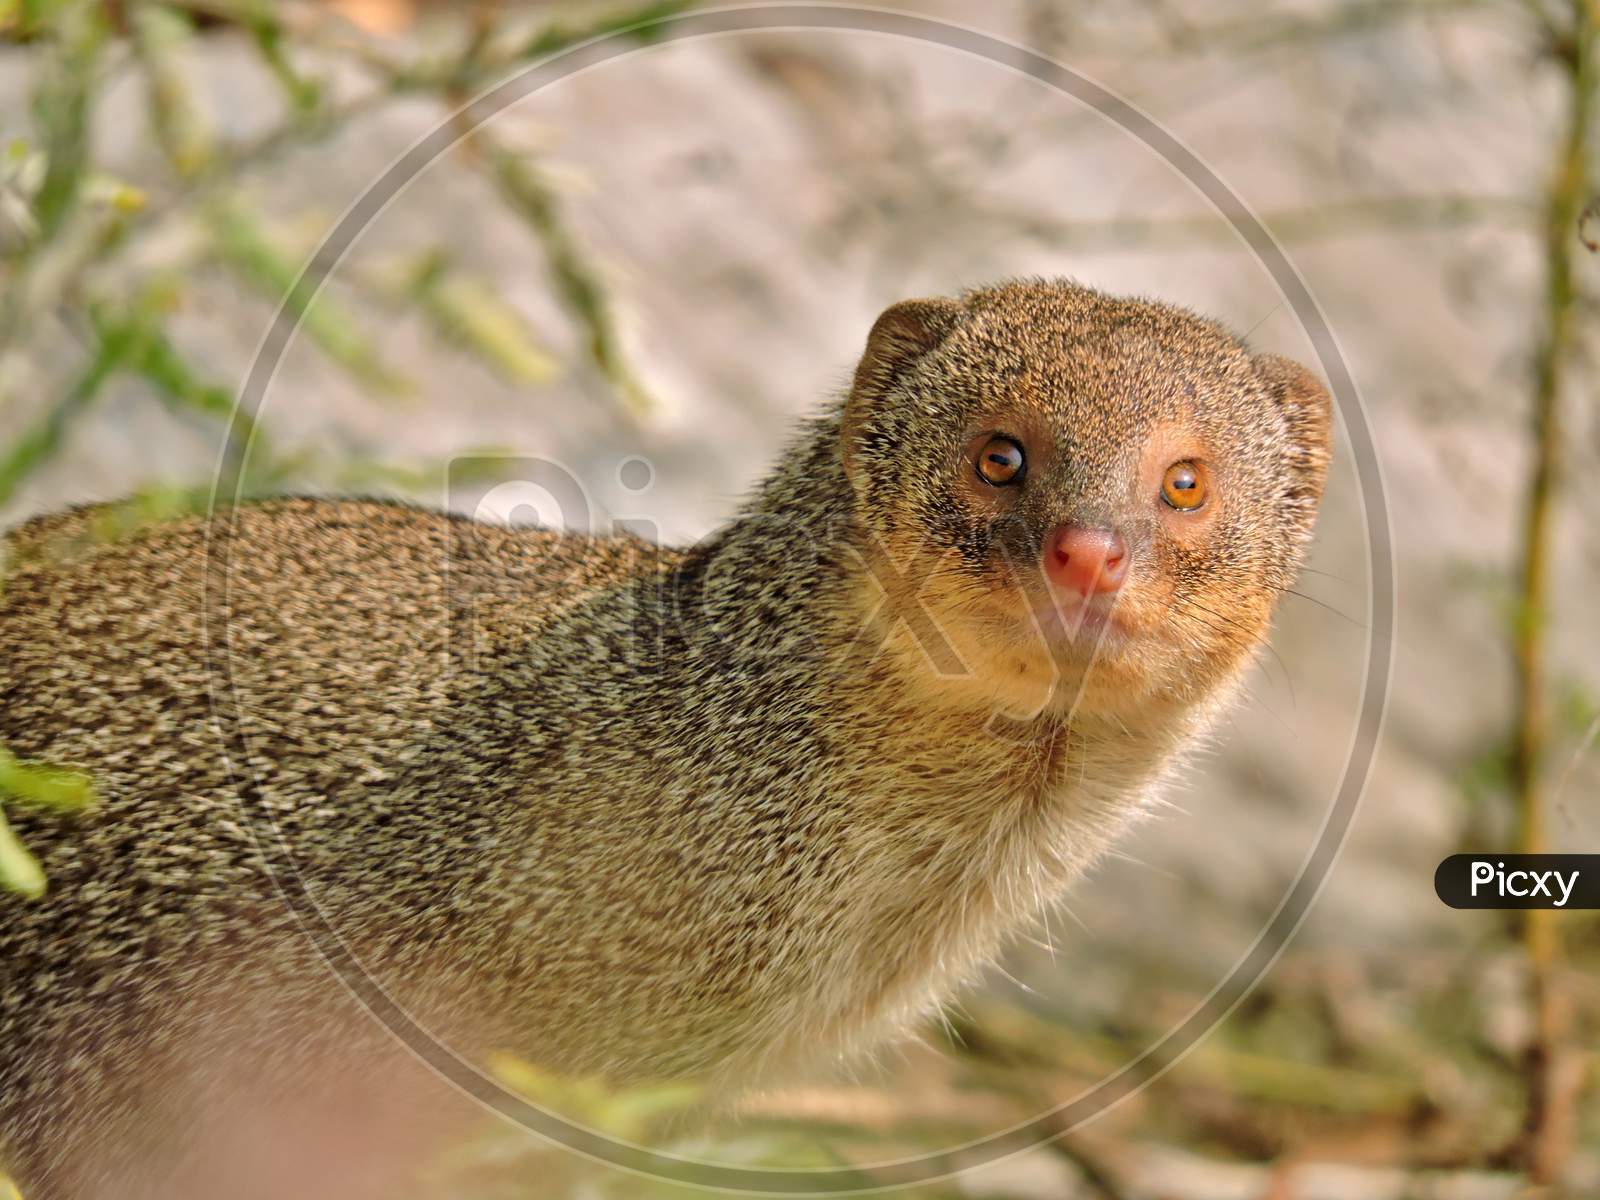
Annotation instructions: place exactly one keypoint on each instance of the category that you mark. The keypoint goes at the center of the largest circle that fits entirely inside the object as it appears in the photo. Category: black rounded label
(1519, 881)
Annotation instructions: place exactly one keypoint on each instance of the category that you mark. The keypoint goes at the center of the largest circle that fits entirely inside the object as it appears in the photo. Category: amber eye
(1001, 463)
(1184, 487)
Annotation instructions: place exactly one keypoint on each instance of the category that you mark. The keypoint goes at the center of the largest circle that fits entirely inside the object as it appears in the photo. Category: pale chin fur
(1088, 624)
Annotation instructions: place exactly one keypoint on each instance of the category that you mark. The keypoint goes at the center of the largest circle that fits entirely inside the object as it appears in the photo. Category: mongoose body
(712, 812)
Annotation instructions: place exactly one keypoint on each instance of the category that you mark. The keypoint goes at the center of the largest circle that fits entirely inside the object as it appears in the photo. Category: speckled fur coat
(618, 809)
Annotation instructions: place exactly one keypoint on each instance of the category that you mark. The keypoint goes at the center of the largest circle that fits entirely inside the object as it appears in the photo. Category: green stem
(1552, 1076)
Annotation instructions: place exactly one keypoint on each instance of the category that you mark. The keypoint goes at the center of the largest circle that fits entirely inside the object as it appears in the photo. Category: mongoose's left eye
(1184, 487)
(1001, 463)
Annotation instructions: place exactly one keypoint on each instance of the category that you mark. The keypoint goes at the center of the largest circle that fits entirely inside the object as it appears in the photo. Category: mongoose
(630, 811)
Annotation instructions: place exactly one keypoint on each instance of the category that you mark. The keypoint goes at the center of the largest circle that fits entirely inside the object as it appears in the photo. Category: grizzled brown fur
(715, 812)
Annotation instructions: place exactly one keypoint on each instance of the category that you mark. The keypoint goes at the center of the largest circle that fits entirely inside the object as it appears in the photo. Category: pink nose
(1085, 560)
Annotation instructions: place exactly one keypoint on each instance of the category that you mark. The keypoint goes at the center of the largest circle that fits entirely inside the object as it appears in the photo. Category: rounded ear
(1308, 414)
(903, 333)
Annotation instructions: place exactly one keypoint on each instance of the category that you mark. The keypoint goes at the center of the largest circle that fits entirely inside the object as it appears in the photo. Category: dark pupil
(1002, 458)
(1184, 481)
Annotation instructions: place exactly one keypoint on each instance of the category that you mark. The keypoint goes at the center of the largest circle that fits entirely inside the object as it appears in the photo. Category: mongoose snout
(1085, 561)
(718, 812)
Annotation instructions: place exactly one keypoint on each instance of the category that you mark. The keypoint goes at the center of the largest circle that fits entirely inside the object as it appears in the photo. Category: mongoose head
(1095, 501)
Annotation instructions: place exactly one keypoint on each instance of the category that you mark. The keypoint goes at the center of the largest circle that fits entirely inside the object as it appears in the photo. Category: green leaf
(38, 444)
(148, 506)
(160, 363)
(530, 195)
(19, 870)
(160, 35)
(52, 788)
(641, 22)
(477, 464)
(115, 194)
(466, 312)
(36, 786)
(61, 108)
(305, 95)
(251, 252)
(623, 1112)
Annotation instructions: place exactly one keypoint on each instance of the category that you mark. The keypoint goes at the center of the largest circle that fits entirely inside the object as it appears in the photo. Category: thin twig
(1553, 1075)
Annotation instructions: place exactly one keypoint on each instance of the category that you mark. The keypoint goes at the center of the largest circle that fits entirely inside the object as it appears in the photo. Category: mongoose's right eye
(1001, 463)
(1184, 486)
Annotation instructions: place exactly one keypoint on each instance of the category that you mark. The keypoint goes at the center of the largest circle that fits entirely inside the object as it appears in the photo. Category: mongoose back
(623, 810)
